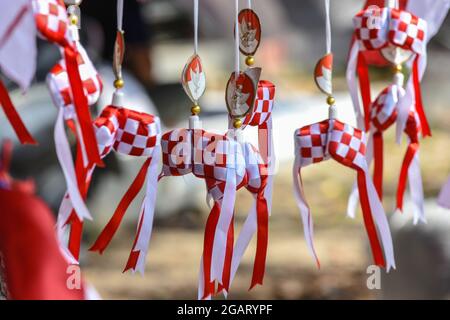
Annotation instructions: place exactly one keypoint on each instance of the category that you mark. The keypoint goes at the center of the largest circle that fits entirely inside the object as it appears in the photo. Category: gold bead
(119, 83)
(195, 109)
(331, 101)
(73, 19)
(249, 61)
(237, 123)
(398, 68)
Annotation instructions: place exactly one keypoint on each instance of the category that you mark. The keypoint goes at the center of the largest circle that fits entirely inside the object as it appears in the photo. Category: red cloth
(34, 265)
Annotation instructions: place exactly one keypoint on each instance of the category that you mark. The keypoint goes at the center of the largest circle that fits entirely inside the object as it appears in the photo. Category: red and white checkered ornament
(397, 35)
(346, 145)
(220, 161)
(59, 85)
(384, 111)
(136, 134)
(53, 25)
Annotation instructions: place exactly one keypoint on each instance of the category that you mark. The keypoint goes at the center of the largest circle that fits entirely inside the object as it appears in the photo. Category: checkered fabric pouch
(137, 134)
(346, 145)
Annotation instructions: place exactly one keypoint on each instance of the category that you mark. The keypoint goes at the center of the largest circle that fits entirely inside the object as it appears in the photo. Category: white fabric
(416, 189)
(380, 219)
(305, 212)
(223, 224)
(65, 159)
(148, 211)
(18, 50)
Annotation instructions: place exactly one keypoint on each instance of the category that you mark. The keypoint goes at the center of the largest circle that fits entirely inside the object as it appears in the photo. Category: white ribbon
(416, 189)
(300, 199)
(195, 26)
(223, 224)
(148, 212)
(65, 159)
(380, 219)
(444, 195)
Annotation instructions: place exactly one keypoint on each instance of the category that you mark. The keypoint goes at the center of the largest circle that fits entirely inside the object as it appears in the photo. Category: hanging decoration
(345, 144)
(128, 132)
(400, 37)
(54, 25)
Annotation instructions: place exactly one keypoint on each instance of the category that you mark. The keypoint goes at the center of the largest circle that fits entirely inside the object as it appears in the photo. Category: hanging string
(249, 4)
(392, 4)
(328, 26)
(236, 39)
(195, 26)
(119, 15)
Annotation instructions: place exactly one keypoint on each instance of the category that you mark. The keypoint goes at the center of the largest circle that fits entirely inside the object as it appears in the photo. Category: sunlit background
(159, 40)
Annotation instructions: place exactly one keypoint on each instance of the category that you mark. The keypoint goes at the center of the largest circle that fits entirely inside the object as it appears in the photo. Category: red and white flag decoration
(333, 139)
(18, 54)
(136, 134)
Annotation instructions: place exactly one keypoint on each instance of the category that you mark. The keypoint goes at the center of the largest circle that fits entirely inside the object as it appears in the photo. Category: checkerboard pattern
(176, 152)
(59, 85)
(138, 133)
(407, 31)
(370, 30)
(311, 143)
(383, 109)
(213, 156)
(106, 126)
(262, 109)
(52, 21)
(347, 145)
(127, 132)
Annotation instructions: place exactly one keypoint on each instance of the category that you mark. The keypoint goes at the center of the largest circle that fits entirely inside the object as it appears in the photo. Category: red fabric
(364, 84)
(108, 232)
(14, 118)
(418, 97)
(409, 156)
(262, 240)
(226, 274)
(210, 230)
(34, 266)
(81, 107)
(378, 163)
(377, 252)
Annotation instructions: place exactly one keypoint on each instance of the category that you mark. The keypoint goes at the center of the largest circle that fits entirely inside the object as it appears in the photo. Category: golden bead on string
(195, 110)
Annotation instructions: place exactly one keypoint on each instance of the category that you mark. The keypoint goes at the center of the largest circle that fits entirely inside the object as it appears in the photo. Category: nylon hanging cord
(119, 15)
(328, 26)
(195, 26)
(236, 39)
(249, 4)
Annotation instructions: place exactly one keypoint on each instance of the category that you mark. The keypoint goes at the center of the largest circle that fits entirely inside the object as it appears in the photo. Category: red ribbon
(228, 258)
(364, 85)
(14, 118)
(76, 225)
(378, 162)
(259, 265)
(108, 232)
(409, 156)
(418, 97)
(81, 107)
(134, 254)
(210, 229)
(368, 220)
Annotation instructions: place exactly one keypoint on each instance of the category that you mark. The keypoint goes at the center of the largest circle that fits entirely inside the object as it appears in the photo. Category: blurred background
(159, 39)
